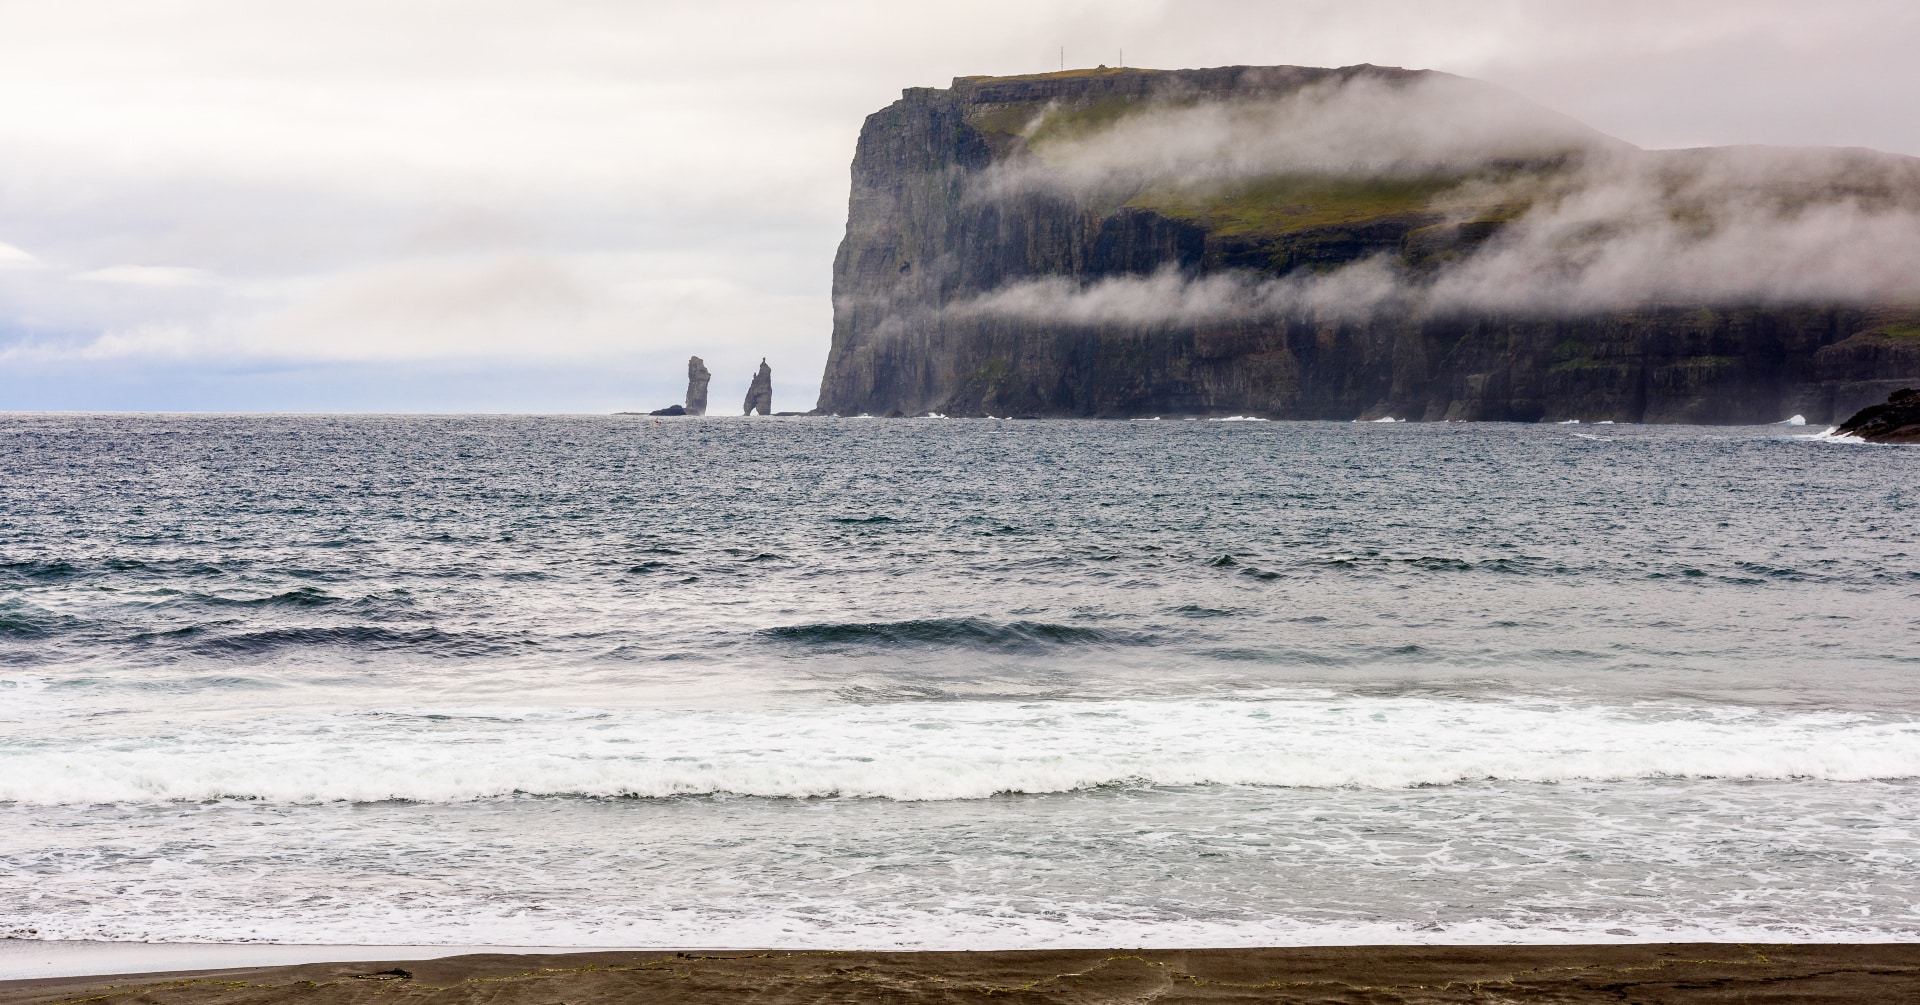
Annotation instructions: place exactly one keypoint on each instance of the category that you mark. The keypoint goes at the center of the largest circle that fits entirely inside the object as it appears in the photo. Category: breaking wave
(956, 750)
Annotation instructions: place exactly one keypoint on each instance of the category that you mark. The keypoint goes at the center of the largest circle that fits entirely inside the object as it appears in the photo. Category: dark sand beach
(1374, 974)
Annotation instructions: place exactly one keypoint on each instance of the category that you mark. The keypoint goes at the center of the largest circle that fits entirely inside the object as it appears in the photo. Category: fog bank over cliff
(1586, 222)
(1707, 227)
(1009, 237)
(1381, 123)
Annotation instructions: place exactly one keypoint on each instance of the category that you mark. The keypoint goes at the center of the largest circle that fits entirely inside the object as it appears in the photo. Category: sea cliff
(1353, 243)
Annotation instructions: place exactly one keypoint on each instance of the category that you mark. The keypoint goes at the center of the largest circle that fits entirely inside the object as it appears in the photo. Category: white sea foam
(755, 926)
(947, 751)
(1797, 420)
(1240, 418)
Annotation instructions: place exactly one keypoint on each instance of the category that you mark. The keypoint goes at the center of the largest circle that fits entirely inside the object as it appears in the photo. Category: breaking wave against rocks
(963, 684)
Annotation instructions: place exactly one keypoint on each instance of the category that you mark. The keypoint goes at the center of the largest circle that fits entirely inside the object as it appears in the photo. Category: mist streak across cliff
(1366, 121)
(1578, 221)
(1110, 242)
(1729, 227)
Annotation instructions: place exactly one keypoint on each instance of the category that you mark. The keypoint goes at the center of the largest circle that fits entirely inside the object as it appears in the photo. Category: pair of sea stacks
(759, 393)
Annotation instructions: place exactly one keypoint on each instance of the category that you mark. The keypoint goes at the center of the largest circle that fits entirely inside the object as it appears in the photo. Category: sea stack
(697, 378)
(760, 393)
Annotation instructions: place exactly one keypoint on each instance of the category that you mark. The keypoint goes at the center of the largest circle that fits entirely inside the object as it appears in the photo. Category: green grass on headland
(1092, 71)
(1281, 204)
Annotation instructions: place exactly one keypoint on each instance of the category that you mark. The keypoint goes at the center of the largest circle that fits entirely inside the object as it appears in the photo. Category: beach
(975, 686)
(1675, 972)
(1241, 502)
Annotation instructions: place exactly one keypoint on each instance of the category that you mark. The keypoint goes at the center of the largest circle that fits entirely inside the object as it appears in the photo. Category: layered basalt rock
(963, 215)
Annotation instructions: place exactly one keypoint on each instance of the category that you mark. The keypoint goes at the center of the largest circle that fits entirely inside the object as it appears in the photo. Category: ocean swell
(968, 633)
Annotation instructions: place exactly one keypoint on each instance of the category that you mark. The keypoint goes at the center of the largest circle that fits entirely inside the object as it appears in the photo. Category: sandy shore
(23, 959)
(1719, 973)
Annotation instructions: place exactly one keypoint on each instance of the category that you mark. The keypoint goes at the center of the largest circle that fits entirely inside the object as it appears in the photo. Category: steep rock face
(760, 392)
(697, 379)
(963, 283)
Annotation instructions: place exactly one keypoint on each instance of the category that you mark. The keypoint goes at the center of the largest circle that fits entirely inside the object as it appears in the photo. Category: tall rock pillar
(697, 378)
(760, 393)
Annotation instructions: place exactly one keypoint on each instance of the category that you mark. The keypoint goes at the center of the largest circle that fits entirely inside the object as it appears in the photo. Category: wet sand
(1719, 973)
(26, 959)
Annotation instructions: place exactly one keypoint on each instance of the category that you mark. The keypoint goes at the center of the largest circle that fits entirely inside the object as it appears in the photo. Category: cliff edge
(1298, 242)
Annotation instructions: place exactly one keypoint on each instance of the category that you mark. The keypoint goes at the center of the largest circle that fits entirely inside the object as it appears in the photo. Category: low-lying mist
(1530, 211)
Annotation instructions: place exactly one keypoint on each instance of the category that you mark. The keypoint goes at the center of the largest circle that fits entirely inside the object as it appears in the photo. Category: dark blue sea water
(945, 683)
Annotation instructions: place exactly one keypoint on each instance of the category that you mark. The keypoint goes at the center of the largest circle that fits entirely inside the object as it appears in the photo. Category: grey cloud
(682, 169)
(148, 275)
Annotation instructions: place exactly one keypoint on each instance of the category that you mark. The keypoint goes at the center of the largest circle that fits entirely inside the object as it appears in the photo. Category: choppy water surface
(616, 681)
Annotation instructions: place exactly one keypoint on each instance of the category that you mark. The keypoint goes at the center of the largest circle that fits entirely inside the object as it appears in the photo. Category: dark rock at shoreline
(1896, 421)
(671, 410)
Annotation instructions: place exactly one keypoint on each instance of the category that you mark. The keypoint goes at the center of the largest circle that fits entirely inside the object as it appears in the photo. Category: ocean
(617, 681)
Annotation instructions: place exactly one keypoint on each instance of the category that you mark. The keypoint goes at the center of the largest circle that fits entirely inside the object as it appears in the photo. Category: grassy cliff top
(1097, 71)
(1282, 204)
(1278, 150)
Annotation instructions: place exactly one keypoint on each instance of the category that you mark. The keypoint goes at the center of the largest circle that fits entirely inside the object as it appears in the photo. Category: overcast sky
(511, 205)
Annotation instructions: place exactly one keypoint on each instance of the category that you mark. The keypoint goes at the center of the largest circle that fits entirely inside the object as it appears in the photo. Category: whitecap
(949, 751)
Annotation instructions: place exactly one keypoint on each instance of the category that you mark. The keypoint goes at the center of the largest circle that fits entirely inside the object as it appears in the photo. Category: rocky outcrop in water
(997, 262)
(697, 378)
(760, 392)
(670, 410)
(1896, 421)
